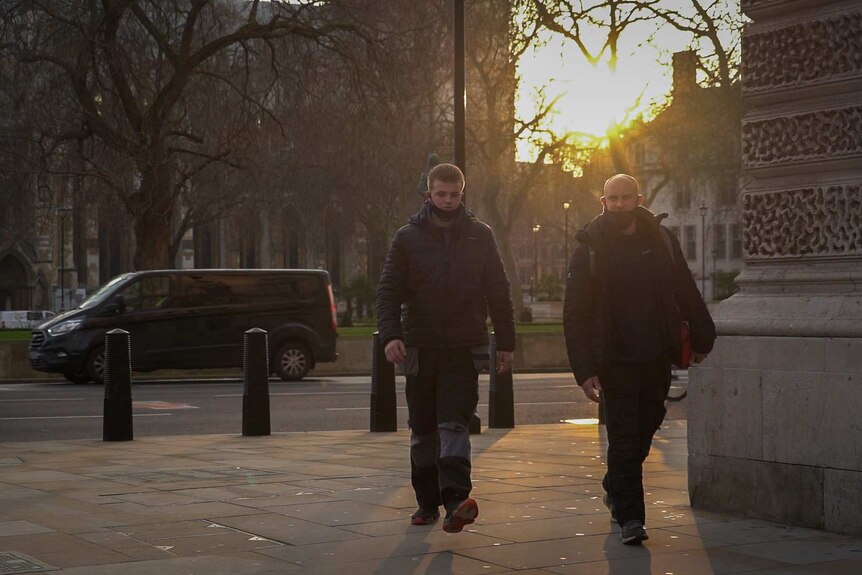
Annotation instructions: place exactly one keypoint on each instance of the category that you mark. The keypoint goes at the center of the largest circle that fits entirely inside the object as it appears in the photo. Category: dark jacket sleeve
(390, 292)
(692, 308)
(578, 315)
(498, 295)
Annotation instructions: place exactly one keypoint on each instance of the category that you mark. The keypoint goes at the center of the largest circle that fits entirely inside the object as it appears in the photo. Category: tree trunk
(152, 207)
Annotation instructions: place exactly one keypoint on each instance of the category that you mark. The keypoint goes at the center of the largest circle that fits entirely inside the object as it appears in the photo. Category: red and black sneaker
(464, 514)
(424, 516)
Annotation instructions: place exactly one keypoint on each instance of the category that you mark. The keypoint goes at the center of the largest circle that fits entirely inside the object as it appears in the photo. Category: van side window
(202, 291)
(148, 293)
(292, 288)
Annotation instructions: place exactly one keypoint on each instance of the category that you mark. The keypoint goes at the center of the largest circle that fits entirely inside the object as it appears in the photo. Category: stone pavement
(339, 502)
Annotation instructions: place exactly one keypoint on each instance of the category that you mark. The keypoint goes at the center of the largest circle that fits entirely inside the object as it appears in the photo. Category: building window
(735, 241)
(726, 191)
(682, 194)
(719, 241)
(690, 242)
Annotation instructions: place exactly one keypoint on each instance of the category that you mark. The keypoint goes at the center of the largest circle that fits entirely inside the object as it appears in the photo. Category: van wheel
(292, 361)
(76, 377)
(95, 366)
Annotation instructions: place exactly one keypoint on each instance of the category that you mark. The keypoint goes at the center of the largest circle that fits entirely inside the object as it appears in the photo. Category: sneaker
(424, 516)
(633, 533)
(464, 514)
(606, 499)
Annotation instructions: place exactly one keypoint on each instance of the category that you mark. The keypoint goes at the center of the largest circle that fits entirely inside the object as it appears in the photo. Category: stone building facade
(774, 412)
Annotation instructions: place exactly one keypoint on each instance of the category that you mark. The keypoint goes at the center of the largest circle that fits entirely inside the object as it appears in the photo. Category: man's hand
(698, 357)
(592, 388)
(395, 351)
(504, 361)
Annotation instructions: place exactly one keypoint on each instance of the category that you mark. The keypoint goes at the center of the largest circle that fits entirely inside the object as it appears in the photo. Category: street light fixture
(703, 210)
(536, 228)
(566, 205)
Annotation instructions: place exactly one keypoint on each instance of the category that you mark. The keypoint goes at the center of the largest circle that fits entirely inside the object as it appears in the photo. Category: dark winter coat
(586, 313)
(438, 294)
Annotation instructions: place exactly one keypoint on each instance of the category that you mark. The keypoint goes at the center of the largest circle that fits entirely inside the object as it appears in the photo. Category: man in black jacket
(442, 278)
(628, 291)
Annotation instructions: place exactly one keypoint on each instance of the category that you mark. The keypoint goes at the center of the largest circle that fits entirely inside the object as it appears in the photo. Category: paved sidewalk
(340, 502)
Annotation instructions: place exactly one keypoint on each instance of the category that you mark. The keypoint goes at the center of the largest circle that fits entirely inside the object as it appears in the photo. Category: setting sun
(593, 99)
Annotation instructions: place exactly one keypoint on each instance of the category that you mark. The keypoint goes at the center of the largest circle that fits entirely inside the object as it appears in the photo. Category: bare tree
(138, 74)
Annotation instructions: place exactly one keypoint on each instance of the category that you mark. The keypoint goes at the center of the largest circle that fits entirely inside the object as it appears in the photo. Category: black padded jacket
(586, 315)
(437, 292)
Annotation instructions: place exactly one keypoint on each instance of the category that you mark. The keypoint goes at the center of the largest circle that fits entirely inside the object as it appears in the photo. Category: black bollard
(601, 410)
(117, 418)
(475, 425)
(383, 412)
(501, 395)
(255, 373)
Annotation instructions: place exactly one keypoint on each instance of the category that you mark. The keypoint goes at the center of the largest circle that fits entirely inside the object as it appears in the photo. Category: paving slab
(322, 502)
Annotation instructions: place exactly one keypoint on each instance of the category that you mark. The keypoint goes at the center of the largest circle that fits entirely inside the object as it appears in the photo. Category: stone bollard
(255, 373)
(383, 412)
(501, 395)
(117, 417)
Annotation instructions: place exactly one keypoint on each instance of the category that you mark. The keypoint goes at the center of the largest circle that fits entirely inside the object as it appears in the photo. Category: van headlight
(65, 327)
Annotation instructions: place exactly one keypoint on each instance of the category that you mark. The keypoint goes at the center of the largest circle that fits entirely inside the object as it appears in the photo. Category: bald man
(628, 290)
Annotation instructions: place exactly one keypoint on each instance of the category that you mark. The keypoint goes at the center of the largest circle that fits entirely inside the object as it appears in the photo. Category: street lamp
(703, 210)
(566, 205)
(536, 228)
(62, 210)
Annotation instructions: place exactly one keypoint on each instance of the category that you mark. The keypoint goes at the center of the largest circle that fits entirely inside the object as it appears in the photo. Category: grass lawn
(366, 331)
(14, 335)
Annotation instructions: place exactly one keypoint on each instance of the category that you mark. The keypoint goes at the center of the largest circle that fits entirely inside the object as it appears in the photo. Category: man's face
(621, 196)
(445, 196)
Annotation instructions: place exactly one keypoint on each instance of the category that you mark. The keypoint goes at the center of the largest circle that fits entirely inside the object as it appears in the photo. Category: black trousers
(633, 396)
(441, 400)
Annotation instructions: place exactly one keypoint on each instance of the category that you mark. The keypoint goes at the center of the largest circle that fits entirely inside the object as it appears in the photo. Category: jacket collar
(597, 229)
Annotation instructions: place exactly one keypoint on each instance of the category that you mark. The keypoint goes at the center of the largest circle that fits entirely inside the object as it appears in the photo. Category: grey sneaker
(606, 499)
(633, 533)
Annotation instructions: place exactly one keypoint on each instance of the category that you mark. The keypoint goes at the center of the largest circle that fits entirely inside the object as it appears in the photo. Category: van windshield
(102, 293)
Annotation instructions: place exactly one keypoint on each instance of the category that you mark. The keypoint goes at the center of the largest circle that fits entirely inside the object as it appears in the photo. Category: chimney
(684, 72)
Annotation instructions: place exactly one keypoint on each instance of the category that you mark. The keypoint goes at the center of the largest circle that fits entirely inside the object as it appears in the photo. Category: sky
(593, 97)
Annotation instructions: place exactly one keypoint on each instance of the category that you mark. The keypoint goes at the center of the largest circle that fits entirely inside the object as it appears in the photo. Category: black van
(194, 319)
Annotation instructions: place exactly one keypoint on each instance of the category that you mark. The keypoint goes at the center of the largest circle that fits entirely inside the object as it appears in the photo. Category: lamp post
(536, 228)
(62, 210)
(703, 210)
(566, 205)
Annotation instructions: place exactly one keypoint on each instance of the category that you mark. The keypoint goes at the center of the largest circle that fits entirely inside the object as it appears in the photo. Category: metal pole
(703, 251)
(566, 206)
(62, 259)
(460, 87)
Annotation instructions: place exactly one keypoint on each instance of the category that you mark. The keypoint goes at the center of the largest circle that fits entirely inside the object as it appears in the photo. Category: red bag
(684, 360)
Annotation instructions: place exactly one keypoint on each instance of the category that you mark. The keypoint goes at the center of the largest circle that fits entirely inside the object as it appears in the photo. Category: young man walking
(628, 291)
(443, 276)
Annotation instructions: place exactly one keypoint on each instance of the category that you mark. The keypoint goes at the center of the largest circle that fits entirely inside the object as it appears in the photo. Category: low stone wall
(535, 351)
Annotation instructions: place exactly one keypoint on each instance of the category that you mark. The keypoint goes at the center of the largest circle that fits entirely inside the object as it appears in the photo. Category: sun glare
(594, 99)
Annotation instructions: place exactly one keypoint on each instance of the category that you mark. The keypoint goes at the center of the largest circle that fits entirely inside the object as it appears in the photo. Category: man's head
(445, 189)
(620, 197)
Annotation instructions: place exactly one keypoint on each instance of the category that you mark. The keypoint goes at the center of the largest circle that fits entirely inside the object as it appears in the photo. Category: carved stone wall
(803, 53)
(773, 411)
(825, 134)
(804, 222)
